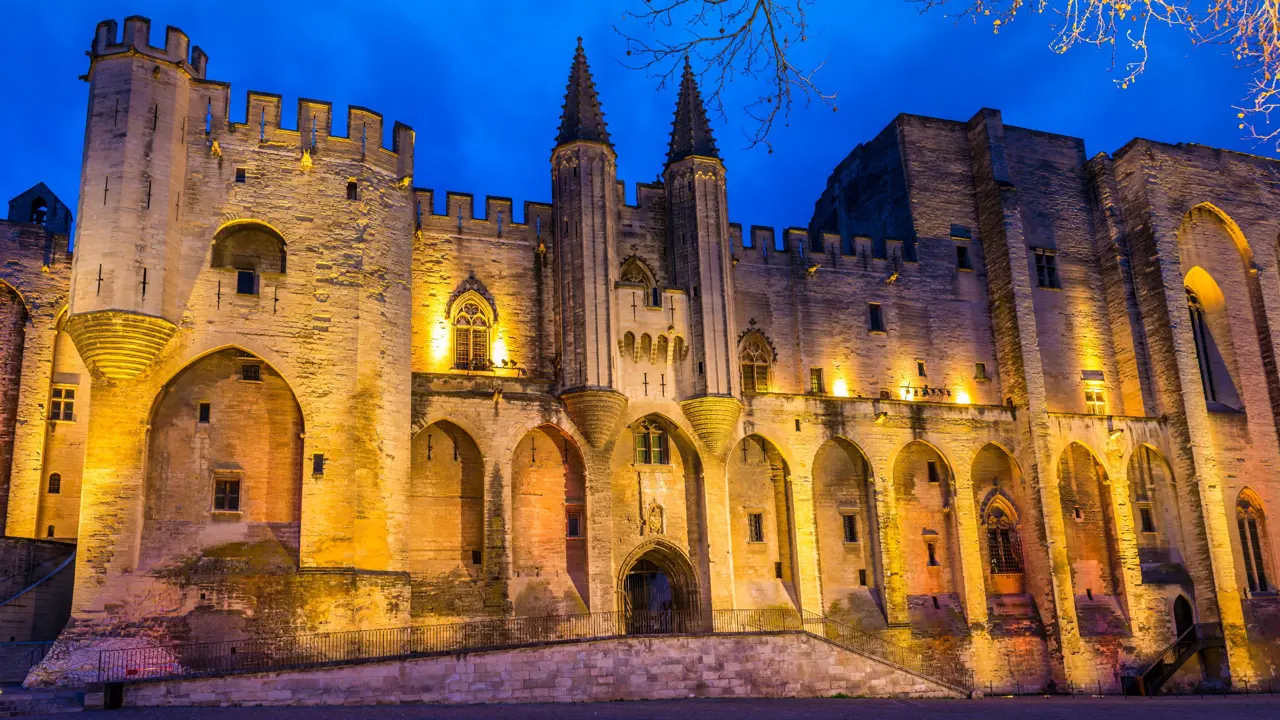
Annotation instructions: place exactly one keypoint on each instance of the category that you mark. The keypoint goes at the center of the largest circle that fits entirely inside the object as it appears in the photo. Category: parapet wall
(652, 668)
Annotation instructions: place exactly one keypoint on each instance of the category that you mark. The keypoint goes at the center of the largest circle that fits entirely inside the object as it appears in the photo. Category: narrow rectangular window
(240, 175)
(933, 554)
(1148, 522)
(980, 371)
(317, 464)
(55, 484)
(755, 527)
(251, 372)
(476, 557)
(876, 317)
(62, 404)
(933, 471)
(1095, 401)
(353, 191)
(850, 527)
(226, 495)
(816, 385)
(862, 577)
(1046, 268)
(573, 524)
(643, 452)
(50, 531)
(962, 258)
(777, 570)
(204, 413)
(246, 282)
(920, 369)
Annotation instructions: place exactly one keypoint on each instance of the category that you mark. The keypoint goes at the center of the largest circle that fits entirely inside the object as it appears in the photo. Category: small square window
(246, 282)
(850, 524)
(62, 404)
(1148, 522)
(1095, 401)
(240, 175)
(476, 557)
(251, 372)
(980, 371)
(816, 385)
(573, 524)
(353, 191)
(962, 258)
(205, 410)
(1046, 268)
(755, 527)
(226, 495)
(875, 317)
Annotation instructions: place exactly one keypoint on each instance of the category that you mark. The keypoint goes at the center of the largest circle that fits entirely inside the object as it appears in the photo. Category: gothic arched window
(651, 443)
(1252, 524)
(1200, 333)
(471, 324)
(634, 272)
(756, 358)
(1003, 544)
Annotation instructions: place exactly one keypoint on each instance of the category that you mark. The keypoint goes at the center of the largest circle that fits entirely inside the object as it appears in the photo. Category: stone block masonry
(995, 402)
(633, 669)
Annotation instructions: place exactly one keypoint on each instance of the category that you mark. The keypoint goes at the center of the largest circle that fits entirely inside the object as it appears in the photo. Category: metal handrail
(167, 662)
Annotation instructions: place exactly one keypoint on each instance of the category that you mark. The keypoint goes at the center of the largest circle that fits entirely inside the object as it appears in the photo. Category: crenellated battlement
(313, 135)
(459, 212)
(176, 50)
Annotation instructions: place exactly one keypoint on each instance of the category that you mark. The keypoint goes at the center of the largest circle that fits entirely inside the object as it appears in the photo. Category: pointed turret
(582, 119)
(690, 131)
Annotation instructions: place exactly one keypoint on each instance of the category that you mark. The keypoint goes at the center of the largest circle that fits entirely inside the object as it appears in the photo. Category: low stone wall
(786, 665)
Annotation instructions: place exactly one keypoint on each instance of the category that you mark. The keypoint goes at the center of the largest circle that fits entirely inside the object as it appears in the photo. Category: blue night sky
(481, 81)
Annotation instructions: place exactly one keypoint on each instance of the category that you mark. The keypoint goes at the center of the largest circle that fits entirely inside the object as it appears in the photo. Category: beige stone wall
(640, 669)
(443, 492)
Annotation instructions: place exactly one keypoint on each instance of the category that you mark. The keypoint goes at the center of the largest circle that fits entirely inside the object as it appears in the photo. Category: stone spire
(583, 119)
(690, 131)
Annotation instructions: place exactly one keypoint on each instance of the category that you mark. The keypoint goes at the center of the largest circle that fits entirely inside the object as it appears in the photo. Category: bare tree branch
(1250, 29)
(728, 40)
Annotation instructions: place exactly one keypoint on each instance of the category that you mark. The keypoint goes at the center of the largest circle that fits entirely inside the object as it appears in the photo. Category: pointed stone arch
(1091, 539)
(1211, 333)
(677, 591)
(446, 508)
(924, 499)
(760, 525)
(847, 528)
(244, 462)
(549, 524)
(1258, 563)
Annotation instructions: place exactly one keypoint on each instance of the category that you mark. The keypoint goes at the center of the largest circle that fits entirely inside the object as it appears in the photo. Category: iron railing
(231, 657)
(1167, 662)
(949, 673)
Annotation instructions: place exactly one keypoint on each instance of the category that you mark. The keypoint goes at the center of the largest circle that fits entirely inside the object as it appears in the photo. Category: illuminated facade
(998, 401)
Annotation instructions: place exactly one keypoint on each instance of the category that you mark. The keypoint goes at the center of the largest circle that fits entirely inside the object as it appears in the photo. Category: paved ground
(1178, 708)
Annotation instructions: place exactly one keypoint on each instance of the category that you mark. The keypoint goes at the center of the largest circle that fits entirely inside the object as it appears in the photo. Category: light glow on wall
(840, 388)
(962, 396)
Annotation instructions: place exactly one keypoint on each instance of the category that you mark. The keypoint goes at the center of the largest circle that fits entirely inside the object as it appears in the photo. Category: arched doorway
(1183, 617)
(658, 591)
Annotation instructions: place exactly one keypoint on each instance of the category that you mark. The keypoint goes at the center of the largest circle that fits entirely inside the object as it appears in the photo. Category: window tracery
(471, 326)
(1004, 546)
(757, 360)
